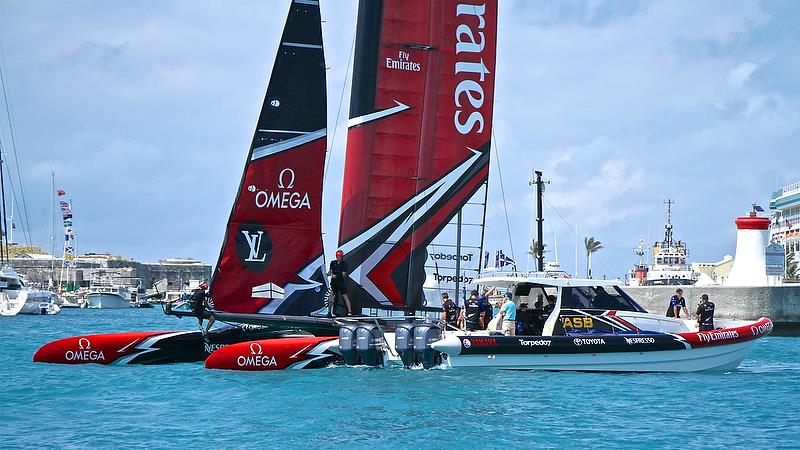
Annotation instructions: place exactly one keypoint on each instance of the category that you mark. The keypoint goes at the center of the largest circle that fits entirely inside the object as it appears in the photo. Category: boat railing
(521, 274)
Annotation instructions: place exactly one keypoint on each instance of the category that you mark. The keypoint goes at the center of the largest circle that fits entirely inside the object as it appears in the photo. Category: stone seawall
(779, 303)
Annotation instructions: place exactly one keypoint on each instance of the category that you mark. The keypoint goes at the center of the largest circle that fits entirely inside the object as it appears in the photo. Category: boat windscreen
(598, 298)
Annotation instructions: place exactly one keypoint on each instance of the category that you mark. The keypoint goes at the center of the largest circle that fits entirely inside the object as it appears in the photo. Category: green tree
(592, 245)
(792, 271)
(534, 249)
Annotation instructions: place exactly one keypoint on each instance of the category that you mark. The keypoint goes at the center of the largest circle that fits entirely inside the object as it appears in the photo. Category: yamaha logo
(84, 344)
(255, 349)
(253, 246)
(275, 103)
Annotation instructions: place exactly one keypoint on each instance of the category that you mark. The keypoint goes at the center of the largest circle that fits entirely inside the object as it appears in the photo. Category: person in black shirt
(550, 306)
(705, 314)
(473, 314)
(199, 302)
(338, 274)
(449, 311)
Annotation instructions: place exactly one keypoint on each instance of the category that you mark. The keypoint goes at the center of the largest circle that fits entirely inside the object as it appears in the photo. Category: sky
(145, 110)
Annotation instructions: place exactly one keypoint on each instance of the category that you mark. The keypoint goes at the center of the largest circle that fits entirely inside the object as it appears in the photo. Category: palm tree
(534, 249)
(792, 271)
(591, 246)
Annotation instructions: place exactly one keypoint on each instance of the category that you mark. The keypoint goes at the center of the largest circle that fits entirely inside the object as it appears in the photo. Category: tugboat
(669, 266)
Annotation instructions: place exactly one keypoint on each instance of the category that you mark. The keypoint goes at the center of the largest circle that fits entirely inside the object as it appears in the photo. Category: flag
(60, 192)
(502, 260)
(757, 208)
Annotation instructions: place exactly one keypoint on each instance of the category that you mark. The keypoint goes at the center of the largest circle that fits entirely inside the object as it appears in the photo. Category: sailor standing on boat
(705, 314)
(473, 313)
(338, 273)
(199, 302)
(449, 311)
(676, 303)
(509, 314)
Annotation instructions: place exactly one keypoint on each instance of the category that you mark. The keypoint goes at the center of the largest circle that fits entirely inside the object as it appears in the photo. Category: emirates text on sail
(468, 47)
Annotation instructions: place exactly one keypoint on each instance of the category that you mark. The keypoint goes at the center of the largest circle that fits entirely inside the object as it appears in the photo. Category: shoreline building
(785, 208)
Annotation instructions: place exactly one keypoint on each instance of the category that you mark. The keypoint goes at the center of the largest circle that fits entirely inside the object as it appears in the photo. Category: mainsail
(418, 141)
(272, 259)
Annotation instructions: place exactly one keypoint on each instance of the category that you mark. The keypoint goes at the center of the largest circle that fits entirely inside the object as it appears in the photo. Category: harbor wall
(780, 303)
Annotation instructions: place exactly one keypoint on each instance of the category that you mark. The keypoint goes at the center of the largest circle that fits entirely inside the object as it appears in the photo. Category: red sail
(271, 259)
(418, 140)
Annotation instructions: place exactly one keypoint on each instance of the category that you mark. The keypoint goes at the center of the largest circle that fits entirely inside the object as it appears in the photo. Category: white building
(785, 208)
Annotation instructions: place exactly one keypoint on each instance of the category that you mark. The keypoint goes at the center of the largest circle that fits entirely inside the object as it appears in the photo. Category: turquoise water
(184, 405)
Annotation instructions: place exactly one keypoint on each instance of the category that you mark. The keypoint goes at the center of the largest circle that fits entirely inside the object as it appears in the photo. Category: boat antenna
(668, 227)
(537, 180)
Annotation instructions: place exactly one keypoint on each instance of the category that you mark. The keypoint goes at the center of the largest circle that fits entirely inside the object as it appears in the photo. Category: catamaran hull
(277, 354)
(150, 347)
(720, 350)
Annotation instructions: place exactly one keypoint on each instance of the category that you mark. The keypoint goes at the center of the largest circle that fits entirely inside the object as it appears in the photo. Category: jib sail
(271, 259)
(418, 142)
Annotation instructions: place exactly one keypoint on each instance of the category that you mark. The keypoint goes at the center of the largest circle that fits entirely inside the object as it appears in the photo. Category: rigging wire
(339, 110)
(503, 192)
(26, 222)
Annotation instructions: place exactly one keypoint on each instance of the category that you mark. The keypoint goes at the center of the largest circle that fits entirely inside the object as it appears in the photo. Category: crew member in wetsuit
(449, 311)
(472, 312)
(338, 273)
(705, 314)
(199, 300)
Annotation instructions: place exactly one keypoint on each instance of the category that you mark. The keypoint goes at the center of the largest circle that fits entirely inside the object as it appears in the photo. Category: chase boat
(596, 326)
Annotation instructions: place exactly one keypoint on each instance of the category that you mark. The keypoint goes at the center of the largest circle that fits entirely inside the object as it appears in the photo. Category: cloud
(740, 74)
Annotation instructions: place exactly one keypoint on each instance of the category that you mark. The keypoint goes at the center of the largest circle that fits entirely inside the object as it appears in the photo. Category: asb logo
(284, 196)
(84, 352)
(253, 246)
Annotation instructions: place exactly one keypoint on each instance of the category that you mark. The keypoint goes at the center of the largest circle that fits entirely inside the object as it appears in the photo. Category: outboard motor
(404, 343)
(347, 343)
(424, 335)
(368, 338)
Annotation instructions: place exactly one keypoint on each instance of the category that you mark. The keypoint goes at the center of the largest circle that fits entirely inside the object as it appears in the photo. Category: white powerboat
(595, 326)
(12, 292)
(105, 293)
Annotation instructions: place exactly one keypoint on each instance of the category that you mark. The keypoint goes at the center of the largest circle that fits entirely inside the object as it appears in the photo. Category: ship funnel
(749, 265)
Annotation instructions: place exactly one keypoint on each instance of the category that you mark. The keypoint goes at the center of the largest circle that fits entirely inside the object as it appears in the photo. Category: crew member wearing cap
(509, 314)
(450, 313)
(676, 303)
(705, 314)
(200, 308)
(338, 273)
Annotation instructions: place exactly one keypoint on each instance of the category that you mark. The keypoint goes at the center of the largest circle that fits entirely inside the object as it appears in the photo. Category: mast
(52, 226)
(4, 259)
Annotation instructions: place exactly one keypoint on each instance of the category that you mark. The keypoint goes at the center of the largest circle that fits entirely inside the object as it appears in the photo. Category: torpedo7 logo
(253, 246)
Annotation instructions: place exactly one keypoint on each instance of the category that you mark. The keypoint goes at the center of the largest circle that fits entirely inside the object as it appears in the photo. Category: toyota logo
(577, 341)
(255, 348)
(84, 344)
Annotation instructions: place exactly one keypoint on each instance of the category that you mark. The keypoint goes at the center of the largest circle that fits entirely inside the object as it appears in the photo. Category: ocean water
(186, 406)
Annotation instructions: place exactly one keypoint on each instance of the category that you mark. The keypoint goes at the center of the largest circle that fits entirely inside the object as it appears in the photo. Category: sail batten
(272, 258)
